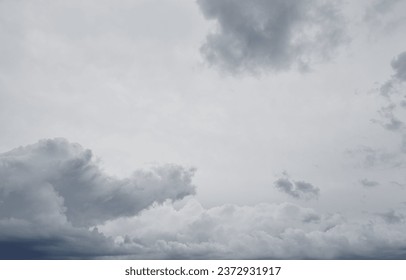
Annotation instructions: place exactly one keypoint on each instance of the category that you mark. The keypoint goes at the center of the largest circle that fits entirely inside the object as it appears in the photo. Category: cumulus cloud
(297, 189)
(271, 35)
(263, 231)
(55, 180)
(55, 186)
(44, 186)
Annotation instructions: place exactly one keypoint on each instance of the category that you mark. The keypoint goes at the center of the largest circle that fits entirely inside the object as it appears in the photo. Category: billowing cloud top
(59, 181)
(56, 203)
(271, 35)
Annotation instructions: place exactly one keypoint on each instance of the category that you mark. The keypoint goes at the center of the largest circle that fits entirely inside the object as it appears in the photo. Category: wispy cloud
(368, 183)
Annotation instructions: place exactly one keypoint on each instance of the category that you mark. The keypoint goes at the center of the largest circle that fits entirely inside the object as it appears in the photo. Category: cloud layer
(57, 180)
(271, 35)
(56, 203)
(263, 231)
(53, 191)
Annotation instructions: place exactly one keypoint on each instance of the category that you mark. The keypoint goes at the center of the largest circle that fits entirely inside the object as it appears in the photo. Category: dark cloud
(55, 179)
(23, 239)
(297, 189)
(40, 184)
(53, 191)
(368, 183)
(399, 65)
(271, 35)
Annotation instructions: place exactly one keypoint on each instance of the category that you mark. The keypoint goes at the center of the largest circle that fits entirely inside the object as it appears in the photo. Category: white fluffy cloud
(271, 35)
(269, 231)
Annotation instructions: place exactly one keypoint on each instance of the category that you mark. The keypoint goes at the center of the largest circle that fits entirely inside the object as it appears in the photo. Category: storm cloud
(53, 193)
(126, 78)
(271, 35)
(60, 182)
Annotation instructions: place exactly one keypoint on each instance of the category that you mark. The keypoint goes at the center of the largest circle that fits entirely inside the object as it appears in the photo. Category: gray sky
(226, 108)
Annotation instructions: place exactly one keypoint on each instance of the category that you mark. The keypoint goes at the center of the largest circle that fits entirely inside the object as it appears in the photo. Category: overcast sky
(202, 129)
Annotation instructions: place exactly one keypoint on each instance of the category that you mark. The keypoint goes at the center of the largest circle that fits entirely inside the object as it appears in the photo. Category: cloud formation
(391, 117)
(297, 189)
(53, 191)
(262, 231)
(271, 35)
(56, 203)
(393, 113)
(398, 65)
(55, 180)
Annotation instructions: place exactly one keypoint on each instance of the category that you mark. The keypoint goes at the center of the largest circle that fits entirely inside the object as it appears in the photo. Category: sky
(207, 129)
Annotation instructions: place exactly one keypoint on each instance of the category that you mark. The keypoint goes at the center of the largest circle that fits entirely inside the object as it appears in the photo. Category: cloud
(151, 216)
(297, 189)
(55, 191)
(384, 16)
(367, 183)
(379, 8)
(398, 64)
(391, 117)
(262, 231)
(392, 217)
(271, 35)
(42, 241)
(55, 180)
(393, 114)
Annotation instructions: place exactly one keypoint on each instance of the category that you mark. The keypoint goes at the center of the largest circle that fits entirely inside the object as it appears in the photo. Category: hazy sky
(203, 129)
